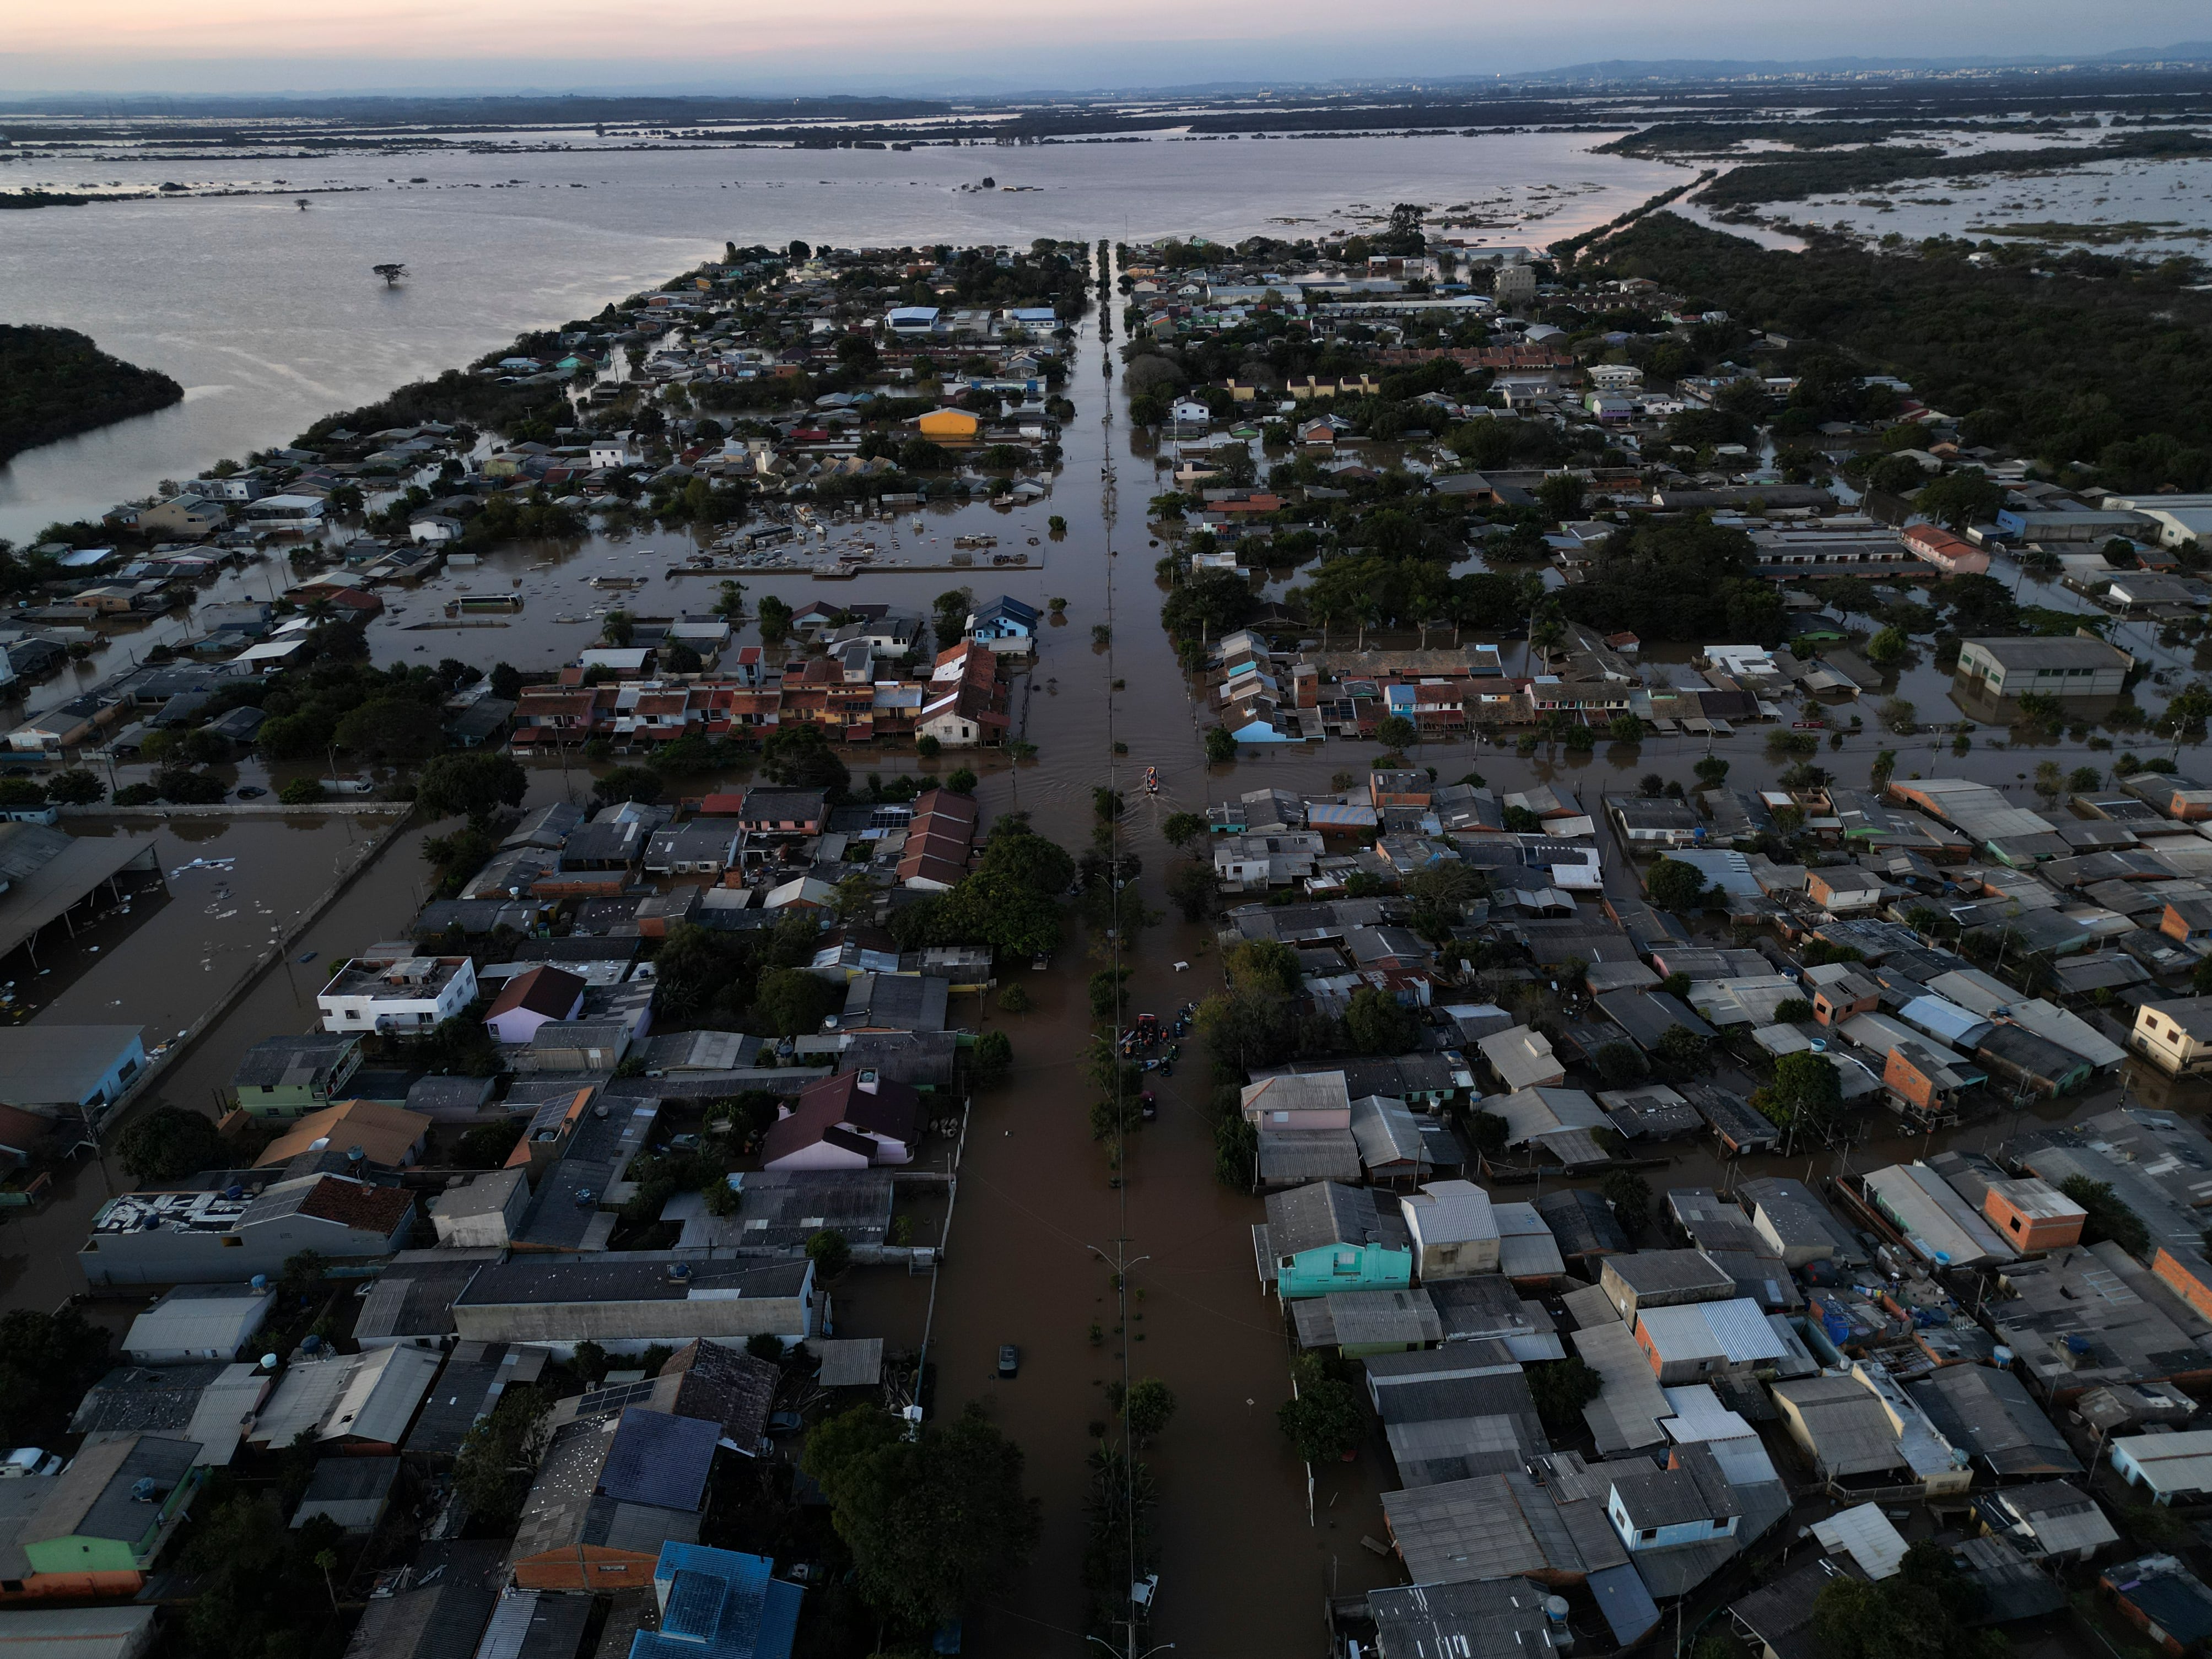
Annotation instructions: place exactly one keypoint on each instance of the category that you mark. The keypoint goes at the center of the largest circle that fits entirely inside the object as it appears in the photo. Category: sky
(789, 46)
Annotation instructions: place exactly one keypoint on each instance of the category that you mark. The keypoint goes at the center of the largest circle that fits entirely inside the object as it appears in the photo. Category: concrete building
(285, 1077)
(404, 995)
(198, 1238)
(627, 1302)
(2078, 670)
(486, 1214)
(69, 1071)
(2175, 1036)
(1453, 1228)
(2166, 1467)
(199, 1321)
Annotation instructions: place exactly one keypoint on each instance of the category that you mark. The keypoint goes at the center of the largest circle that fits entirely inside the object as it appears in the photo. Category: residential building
(609, 1497)
(2049, 1520)
(851, 1120)
(1452, 1228)
(486, 1214)
(1692, 1342)
(2175, 1036)
(69, 1071)
(1662, 1279)
(358, 1403)
(2032, 1215)
(199, 1321)
(2167, 1468)
(2162, 1598)
(357, 1131)
(1329, 1237)
(404, 994)
(717, 1604)
(286, 1077)
(100, 1526)
(198, 1238)
(531, 998)
(629, 1300)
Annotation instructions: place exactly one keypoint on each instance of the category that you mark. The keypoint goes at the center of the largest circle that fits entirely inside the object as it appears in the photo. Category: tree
(392, 728)
(1561, 497)
(1674, 885)
(774, 616)
(1683, 1049)
(302, 791)
(1147, 1408)
(1181, 828)
(1263, 964)
(626, 783)
(1376, 1024)
(1236, 1146)
(75, 787)
(471, 781)
(792, 1002)
(2108, 1216)
(1323, 1423)
(935, 1523)
(829, 1254)
(1190, 888)
(1629, 1194)
(498, 1456)
(1807, 1090)
(1109, 995)
(169, 1144)
(1248, 1028)
(47, 1361)
(962, 781)
(1961, 499)
(991, 1059)
(1713, 771)
(1561, 1387)
(1792, 1011)
(1887, 646)
(1220, 744)
(1395, 731)
(1619, 1064)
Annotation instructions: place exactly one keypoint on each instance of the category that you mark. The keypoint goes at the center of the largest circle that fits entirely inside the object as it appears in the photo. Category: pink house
(1954, 555)
(530, 999)
(848, 1121)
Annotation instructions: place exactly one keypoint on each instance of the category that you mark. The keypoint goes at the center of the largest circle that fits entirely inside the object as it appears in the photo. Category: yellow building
(949, 426)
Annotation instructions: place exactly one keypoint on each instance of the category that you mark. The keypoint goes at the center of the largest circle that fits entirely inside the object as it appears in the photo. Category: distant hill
(55, 382)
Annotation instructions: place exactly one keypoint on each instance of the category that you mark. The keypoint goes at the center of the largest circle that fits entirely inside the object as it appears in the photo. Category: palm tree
(1546, 634)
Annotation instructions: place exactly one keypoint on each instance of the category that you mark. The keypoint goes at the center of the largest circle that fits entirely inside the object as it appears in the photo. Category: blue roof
(717, 1604)
(1627, 1606)
(912, 314)
(660, 1459)
(1007, 605)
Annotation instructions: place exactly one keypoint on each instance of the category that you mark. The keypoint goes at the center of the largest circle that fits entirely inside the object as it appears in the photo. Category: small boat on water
(1152, 779)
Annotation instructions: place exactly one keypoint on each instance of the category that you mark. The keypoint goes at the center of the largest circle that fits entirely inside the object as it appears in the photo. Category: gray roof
(1330, 1212)
(1987, 1412)
(660, 1459)
(640, 1276)
(1488, 1527)
(146, 1400)
(1502, 1618)
(414, 1298)
(1355, 1318)
(44, 1065)
(2059, 652)
(303, 1061)
(440, 1606)
(1679, 1275)
(784, 1208)
(1850, 1431)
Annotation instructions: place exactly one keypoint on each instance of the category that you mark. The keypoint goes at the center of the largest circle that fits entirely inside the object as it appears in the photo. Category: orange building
(2032, 1215)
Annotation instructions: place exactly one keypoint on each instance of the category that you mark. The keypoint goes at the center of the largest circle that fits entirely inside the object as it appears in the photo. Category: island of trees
(55, 382)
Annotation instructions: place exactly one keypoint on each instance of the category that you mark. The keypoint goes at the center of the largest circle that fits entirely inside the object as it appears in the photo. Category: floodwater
(1244, 1569)
(270, 318)
(170, 960)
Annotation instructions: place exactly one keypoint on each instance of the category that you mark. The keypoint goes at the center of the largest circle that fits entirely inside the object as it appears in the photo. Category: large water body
(270, 318)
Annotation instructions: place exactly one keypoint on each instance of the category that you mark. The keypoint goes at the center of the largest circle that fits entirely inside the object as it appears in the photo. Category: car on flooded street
(1010, 1361)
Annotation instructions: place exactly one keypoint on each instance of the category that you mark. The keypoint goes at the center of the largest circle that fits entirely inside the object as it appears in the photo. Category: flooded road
(1243, 1569)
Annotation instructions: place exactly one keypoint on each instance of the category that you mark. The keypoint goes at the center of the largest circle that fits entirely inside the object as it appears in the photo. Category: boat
(1152, 779)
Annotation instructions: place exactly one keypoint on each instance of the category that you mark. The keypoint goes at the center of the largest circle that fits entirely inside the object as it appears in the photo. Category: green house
(1327, 1237)
(288, 1076)
(114, 1508)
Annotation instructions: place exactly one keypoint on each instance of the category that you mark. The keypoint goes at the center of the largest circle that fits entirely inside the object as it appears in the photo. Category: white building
(411, 993)
(2169, 1467)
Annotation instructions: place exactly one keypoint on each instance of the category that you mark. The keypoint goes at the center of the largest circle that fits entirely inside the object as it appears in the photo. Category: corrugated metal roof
(1863, 1534)
(1735, 1329)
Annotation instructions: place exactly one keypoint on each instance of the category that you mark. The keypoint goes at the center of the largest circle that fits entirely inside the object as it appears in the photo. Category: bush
(301, 791)
(169, 1144)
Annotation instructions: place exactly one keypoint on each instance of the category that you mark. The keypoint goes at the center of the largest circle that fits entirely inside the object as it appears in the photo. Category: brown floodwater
(1245, 1562)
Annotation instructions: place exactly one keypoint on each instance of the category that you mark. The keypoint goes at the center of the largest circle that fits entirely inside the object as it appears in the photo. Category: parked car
(28, 1461)
(1010, 1360)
